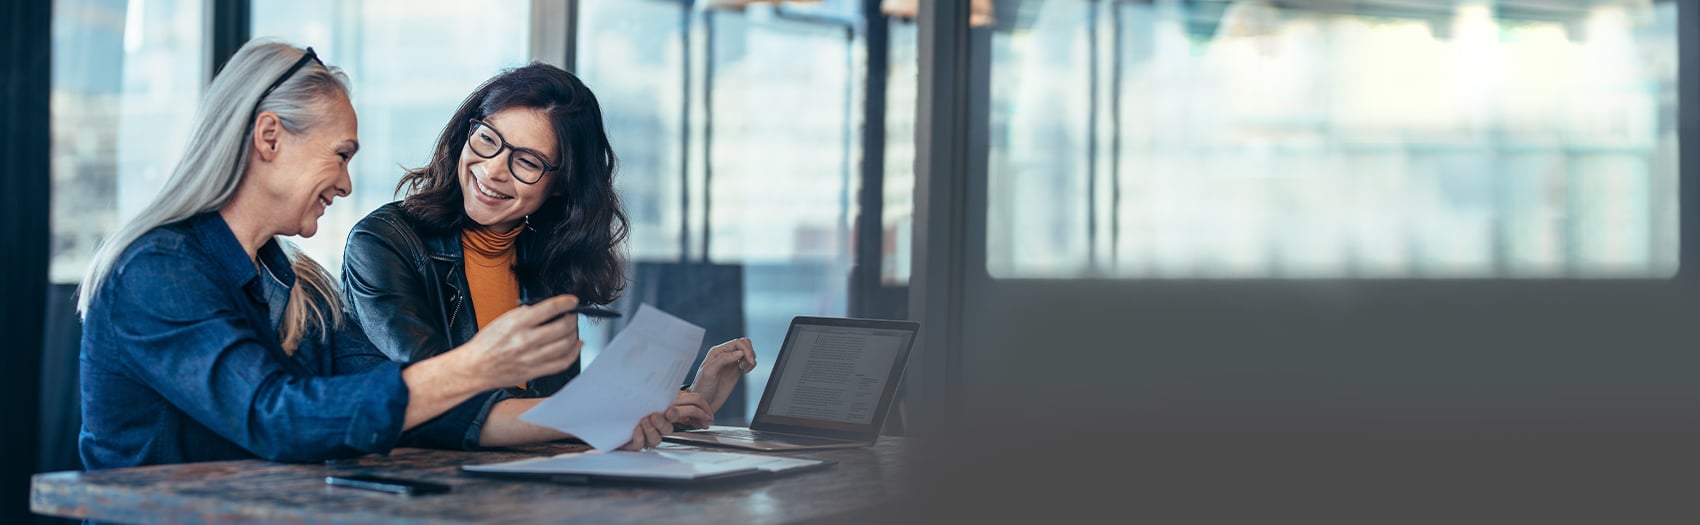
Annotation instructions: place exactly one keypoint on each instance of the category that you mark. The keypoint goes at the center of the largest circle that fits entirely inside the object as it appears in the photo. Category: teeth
(487, 191)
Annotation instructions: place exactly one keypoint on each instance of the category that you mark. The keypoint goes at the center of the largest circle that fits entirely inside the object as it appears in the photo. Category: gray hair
(216, 156)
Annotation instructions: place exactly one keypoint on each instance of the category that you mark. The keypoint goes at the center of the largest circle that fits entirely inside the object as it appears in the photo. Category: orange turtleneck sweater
(490, 260)
(490, 273)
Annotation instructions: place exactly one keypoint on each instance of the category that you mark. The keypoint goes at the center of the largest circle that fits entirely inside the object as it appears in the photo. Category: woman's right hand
(526, 343)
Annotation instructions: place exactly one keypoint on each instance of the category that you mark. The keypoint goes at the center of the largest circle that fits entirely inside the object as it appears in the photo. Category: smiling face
(312, 169)
(493, 197)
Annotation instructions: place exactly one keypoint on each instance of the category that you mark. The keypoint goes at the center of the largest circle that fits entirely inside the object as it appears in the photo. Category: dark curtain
(24, 143)
(61, 408)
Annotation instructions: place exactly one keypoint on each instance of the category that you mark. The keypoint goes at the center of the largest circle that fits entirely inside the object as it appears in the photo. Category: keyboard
(756, 435)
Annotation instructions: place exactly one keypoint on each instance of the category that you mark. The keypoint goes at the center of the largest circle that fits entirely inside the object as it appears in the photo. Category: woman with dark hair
(517, 203)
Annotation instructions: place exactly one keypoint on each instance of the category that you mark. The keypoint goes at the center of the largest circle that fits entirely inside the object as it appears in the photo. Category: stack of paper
(667, 465)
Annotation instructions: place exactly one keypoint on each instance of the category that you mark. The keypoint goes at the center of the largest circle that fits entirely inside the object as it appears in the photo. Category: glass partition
(1255, 139)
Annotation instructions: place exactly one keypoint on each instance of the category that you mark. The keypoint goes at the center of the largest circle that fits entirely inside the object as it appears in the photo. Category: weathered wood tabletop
(260, 491)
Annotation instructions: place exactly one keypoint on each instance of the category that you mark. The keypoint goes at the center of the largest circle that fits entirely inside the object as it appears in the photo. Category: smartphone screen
(383, 484)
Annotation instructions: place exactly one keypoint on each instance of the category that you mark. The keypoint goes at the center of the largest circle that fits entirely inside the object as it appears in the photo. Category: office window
(1244, 139)
(631, 55)
(738, 127)
(902, 104)
(126, 79)
(411, 64)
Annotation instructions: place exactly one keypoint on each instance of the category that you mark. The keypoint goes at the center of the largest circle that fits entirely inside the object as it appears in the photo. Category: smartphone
(390, 485)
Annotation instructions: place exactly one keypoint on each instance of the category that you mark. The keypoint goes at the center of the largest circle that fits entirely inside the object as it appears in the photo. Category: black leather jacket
(406, 284)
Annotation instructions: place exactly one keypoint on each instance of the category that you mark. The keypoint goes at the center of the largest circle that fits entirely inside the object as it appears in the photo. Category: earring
(528, 223)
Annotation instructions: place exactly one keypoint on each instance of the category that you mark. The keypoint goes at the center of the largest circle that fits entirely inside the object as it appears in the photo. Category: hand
(720, 371)
(648, 432)
(526, 343)
(690, 409)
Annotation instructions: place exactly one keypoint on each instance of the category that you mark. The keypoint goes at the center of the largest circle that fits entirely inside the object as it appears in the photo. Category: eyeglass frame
(503, 144)
(255, 113)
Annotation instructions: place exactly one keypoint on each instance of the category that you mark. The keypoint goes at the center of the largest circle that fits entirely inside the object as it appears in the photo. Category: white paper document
(638, 374)
(654, 464)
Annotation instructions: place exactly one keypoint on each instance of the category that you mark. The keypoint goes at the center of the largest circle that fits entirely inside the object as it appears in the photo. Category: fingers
(546, 311)
(520, 346)
(561, 328)
(652, 429)
(648, 433)
(690, 399)
(691, 409)
(748, 350)
(693, 415)
(737, 352)
(578, 349)
(540, 323)
(557, 355)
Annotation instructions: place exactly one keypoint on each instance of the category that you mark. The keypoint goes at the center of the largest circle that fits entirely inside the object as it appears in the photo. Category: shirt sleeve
(460, 427)
(188, 340)
(353, 352)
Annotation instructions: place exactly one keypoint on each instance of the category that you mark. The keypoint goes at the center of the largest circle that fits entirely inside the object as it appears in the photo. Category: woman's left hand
(691, 410)
(720, 371)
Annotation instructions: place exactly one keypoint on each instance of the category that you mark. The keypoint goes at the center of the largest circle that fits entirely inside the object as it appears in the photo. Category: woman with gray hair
(206, 337)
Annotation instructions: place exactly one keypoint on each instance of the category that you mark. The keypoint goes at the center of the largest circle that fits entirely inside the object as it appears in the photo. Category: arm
(483, 418)
(176, 330)
(386, 292)
(504, 427)
(721, 369)
(434, 386)
(438, 385)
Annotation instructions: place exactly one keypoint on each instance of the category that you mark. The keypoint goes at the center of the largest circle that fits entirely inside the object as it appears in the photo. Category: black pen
(587, 311)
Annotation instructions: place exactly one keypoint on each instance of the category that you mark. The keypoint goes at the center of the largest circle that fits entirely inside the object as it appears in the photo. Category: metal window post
(941, 180)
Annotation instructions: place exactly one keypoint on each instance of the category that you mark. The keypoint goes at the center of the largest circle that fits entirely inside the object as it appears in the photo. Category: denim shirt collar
(230, 263)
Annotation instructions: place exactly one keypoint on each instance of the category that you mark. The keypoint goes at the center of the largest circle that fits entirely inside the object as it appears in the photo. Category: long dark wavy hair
(574, 245)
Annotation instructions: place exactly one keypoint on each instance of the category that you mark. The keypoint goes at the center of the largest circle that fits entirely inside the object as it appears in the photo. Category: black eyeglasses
(525, 165)
(255, 113)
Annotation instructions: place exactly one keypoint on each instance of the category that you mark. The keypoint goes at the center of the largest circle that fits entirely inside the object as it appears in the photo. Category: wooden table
(254, 490)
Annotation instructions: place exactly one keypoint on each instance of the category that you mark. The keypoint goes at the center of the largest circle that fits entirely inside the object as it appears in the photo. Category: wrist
(462, 367)
(433, 380)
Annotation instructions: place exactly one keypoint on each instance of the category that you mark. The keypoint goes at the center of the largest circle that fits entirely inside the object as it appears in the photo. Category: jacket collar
(444, 247)
(230, 263)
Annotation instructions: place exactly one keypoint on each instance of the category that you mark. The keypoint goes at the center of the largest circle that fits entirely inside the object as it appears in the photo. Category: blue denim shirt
(181, 362)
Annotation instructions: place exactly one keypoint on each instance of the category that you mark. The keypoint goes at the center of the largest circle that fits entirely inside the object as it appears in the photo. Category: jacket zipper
(454, 312)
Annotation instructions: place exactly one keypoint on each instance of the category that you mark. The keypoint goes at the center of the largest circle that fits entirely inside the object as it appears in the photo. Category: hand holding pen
(587, 311)
(523, 344)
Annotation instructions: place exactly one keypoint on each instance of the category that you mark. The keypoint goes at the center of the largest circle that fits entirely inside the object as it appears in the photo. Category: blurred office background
(770, 150)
